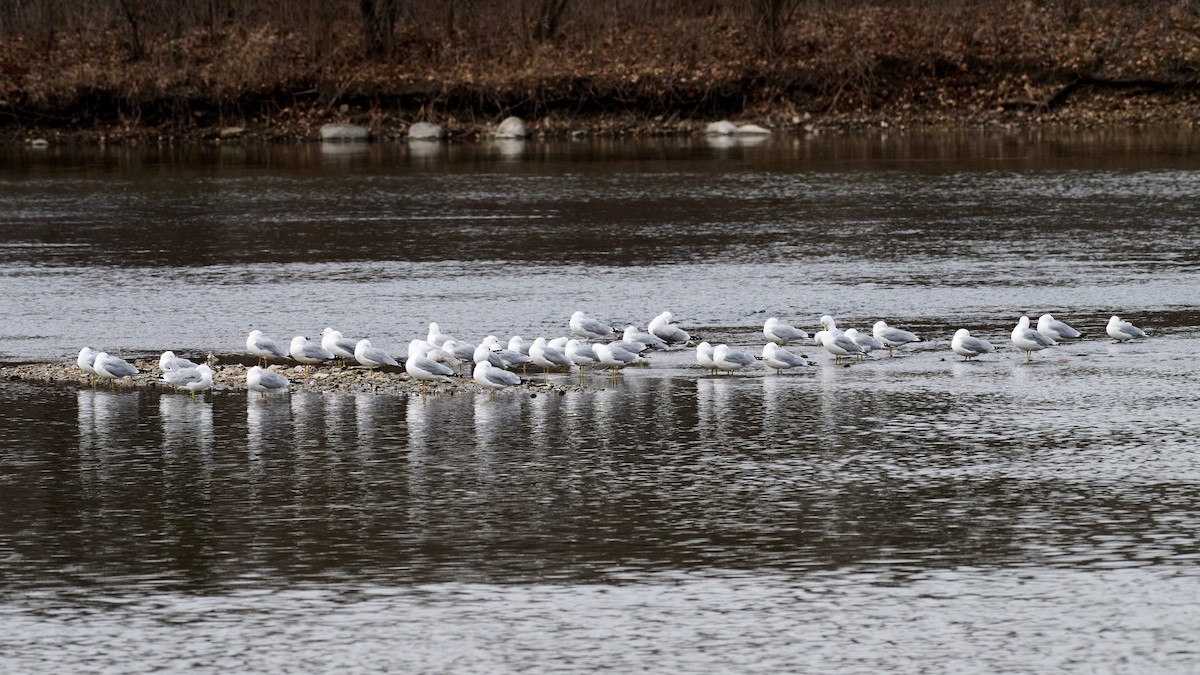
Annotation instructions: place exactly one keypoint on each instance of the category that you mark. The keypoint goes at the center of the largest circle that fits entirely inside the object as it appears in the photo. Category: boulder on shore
(425, 131)
(344, 133)
(511, 127)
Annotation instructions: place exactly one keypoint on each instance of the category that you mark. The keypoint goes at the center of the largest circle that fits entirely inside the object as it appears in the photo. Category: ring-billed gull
(704, 356)
(727, 359)
(435, 336)
(1123, 330)
(867, 342)
(265, 381)
(86, 362)
(492, 378)
(547, 357)
(518, 344)
(372, 357)
(969, 347)
(421, 367)
(168, 361)
(614, 357)
(341, 347)
(584, 326)
(309, 353)
(892, 337)
(112, 368)
(1029, 340)
(509, 358)
(582, 355)
(782, 333)
(263, 347)
(665, 327)
(781, 359)
(195, 379)
(1056, 330)
(483, 352)
(835, 342)
(652, 341)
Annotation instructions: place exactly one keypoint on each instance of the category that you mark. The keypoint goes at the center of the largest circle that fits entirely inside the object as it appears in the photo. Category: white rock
(425, 131)
(343, 132)
(512, 127)
(722, 128)
(752, 130)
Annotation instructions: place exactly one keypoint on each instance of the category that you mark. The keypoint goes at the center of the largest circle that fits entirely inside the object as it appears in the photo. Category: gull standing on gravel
(780, 359)
(195, 379)
(112, 368)
(1056, 330)
(265, 381)
(582, 355)
(665, 327)
(421, 367)
(86, 361)
(372, 357)
(969, 347)
(782, 333)
(727, 359)
(584, 326)
(263, 347)
(1123, 330)
(341, 347)
(492, 378)
(547, 357)
(1029, 340)
(309, 353)
(892, 337)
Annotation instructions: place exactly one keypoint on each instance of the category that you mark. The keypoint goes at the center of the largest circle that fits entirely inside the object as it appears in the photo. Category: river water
(909, 514)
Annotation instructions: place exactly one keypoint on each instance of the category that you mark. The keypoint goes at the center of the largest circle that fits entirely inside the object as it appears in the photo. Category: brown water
(912, 514)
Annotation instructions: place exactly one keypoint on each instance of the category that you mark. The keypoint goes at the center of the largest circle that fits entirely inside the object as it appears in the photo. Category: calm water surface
(914, 514)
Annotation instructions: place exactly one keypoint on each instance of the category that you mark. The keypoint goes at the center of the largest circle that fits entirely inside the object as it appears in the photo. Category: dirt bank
(193, 70)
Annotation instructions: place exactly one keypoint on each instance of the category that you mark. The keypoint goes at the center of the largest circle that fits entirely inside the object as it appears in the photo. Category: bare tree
(379, 21)
(769, 18)
(549, 18)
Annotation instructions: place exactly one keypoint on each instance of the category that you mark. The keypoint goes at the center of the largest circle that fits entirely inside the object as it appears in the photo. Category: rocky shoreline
(231, 377)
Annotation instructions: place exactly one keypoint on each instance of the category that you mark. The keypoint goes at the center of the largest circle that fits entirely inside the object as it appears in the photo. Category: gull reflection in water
(187, 425)
(495, 420)
(268, 423)
(337, 412)
(108, 420)
(417, 414)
